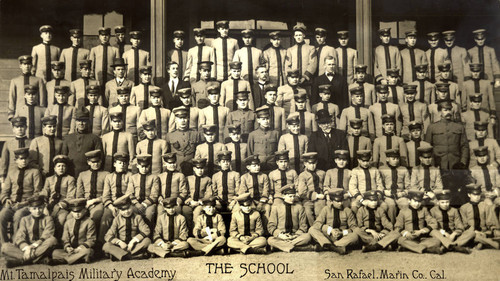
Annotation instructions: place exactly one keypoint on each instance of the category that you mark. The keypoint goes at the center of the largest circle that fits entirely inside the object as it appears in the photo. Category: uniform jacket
(7, 161)
(325, 218)
(111, 190)
(110, 93)
(491, 68)
(205, 188)
(173, 55)
(246, 185)
(132, 114)
(352, 60)
(454, 219)
(118, 230)
(75, 145)
(435, 57)
(96, 56)
(16, 93)
(263, 143)
(332, 177)
(150, 114)
(67, 58)
(307, 190)
(485, 88)
(161, 232)
(450, 143)
(232, 46)
(40, 152)
(277, 220)
(417, 178)
(67, 191)
(381, 221)
(276, 184)
(391, 109)
(368, 128)
(38, 113)
(125, 143)
(32, 184)
(183, 143)
(227, 95)
(380, 66)
(83, 186)
(39, 61)
(50, 91)
(178, 187)
(201, 224)
(151, 189)
(129, 57)
(357, 182)
(237, 228)
(486, 216)
(86, 234)
(137, 95)
(370, 95)
(24, 234)
(241, 55)
(404, 220)
(68, 112)
(233, 183)
(79, 93)
(309, 59)
(322, 52)
(408, 71)
(380, 146)
(277, 72)
(158, 148)
(207, 54)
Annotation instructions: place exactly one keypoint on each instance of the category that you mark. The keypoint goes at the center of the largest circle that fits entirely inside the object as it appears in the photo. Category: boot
(370, 248)
(433, 250)
(460, 249)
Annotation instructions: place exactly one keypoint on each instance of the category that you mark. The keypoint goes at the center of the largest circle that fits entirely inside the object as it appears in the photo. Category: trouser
(461, 240)
(187, 212)
(232, 207)
(106, 220)
(312, 209)
(149, 215)
(418, 245)
(367, 238)
(119, 253)
(13, 252)
(96, 212)
(265, 211)
(59, 215)
(321, 236)
(289, 245)
(391, 209)
(7, 215)
(207, 246)
(235, 243)
(84, 253)
(159, 251)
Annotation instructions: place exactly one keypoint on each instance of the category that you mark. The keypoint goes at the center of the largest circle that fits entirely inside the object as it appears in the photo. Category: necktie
(181, 63)
(433, 68)
(21, 142)
(480, 51)
(196, 195)
(121, 49)
(74, 58)
(315, 178)
(200, 59)
(60, 111)
(250, 64)
(142, 192)
(20, 185)
(31, 121)
(171, 228)
(114, 148)
(172, 87)
(158, 121)
(26, 79)
(57, 81)
(427, 178)
(48, 72)
(136, 66)
(76, 234)
(394, 178)
(368, 179)
(168, 187)
(383, 105)
(336, 218)
(271, 116)
(355, 149)
(411, 111)
(325, 105)
(280, 68)
(477, 117)
(225, 188)
(371, 218)
(283, 178)
(224, 58)
(477, 217)
(246, 224)
(215, 109)
(93, 185)
(340, 178)
(446, 221)
(487, 179)
(344, 61)
(480, 141)
(299, 58)
(119, 187)
(412, 61)
(394, 92)
(91, 117)
(128, 229)
(414, 219)
(417, 156)
(255, 186)
(450, 57)
(150, 146)
(85, 84)
(209, 221)
(36, 229)
(387, 57)
(210, 164)
(388, 138)
(124, 117)
(146, 96)
(52, 153)
(104, 63)
(357, 111)
(421, 90)
(57, 187)
(302, 122)
(288, 218)
(320, 48)
(296, 153)
(237, 155)
(235, 91)
(477, 88)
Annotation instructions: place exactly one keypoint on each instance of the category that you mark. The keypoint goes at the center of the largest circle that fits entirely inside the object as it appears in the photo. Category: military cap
(293, 118)
(411, 33)
(120, 29)
(393, 72)
(123, 202)
(247, 33)
(445, 194)
(77, 204)
(22, 152)
(149, 125)
(370, 195)
(481, 125)
(135, 34)
(121, 90)
(433, 36)
(448, 35)
(476, 67)
(18, 121)
(45, 28)
(76, 32)
(270, 88)
(414, 125)
(481, 151)
(364, 154)
(234, 128)
(169, 202)
(205, 65)
(57, 65)
(288, 189)
(61, 158)
(343, 34)
(262, 111)
(341, 153)
(170, 157)
(384, 31)
(293, 73)
(360, 68)
(155, 92)
(410, 89)
(184, 92)
(222, 23)
(425, 151)
(387, 118)
(209, 201)
(199, 162)
(274, 34)
(416, 195)
(357, 91)
(479, 33)
(320, 31)
(31, 89)
(252, 159)
(93, 155)
(244, 199)
(85, 63)
(300, 97)
(198, 31)
(224, 155)
(300, 27)
(180, 112)
(144, 159)
(36, 200)
(381, 88)
(474, 188)
(326, 88)
(444, 67)
(392, 152)
(356, 123)
(213, 88)
(235, 65)
(209, 129)
(442, 87)
(242, 95)
(26, 59)
(104, 31)
(421, 67)
(281, 155)
(178, 34)
(336, 194)
(49, 120)
(146, 69)
(476, 97)
(118, 62)
(323, 116)
(311, 157)
(82, 114)
(445, 104)
(121, 156)
(116, 115)
(93, 89)
(61, 89)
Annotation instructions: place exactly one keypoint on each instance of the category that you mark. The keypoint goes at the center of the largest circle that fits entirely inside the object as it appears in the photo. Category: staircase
(9, 68)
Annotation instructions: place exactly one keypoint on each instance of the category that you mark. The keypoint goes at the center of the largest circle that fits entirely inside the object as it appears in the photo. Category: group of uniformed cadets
(292, 148)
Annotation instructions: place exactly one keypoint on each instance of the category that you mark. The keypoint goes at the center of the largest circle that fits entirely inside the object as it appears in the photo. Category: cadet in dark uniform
(74, 54)
(44, 53)
(242, 114)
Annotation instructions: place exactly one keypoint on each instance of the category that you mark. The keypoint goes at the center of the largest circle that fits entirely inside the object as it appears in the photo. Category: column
(158, 39)
(364, 31)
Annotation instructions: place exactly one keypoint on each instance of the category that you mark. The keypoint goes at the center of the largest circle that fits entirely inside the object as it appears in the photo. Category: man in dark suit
(259, 85)
(174, 83)
(326, 140)
(331, 77)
